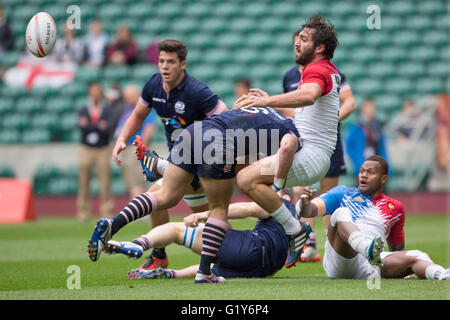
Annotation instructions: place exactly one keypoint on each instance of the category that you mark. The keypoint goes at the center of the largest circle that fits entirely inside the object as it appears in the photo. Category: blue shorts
(240, 256)
(337, 165)
(185, 153)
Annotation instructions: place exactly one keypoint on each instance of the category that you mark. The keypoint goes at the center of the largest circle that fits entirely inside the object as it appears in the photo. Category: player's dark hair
(176, 46)
(296, 33)
(382, 161)
(324, 34)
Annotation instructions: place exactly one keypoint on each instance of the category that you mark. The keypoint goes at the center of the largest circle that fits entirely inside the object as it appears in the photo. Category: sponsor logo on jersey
(159, 99)
(358, 199)
(180, 107)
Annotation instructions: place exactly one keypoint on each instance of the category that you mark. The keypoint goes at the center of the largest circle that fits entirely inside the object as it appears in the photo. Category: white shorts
(338, 267)
(309, 166)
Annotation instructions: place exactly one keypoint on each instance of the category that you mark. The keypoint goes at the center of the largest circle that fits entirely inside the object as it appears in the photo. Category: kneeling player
(253, 253)
(361, 220)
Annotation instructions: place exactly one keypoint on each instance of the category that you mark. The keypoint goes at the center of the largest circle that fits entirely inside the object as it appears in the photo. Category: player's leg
(219, 194)
(348, 240)
(85, 162)
(400, 264)
(103, 165)
(175, 182)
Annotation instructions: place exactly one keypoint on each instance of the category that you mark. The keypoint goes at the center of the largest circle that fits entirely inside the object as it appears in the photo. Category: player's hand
(191, 220)
(307, 194)
(257, 92)
(118, 148)
(250, 101)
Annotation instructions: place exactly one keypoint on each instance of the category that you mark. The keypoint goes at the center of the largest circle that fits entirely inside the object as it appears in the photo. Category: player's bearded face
(304, 48)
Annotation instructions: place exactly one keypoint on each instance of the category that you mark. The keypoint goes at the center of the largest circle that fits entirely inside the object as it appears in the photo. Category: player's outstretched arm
(308, 208)
(305, 96)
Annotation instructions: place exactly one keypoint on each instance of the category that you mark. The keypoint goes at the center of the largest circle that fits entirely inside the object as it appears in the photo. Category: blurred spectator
(96, 42)
(68, 48)
(115, 101)
(6, 35)
(94, 151)
(443, 132)
(151, 52)
(131, 171)
(124, 50)
(242, 87)
(365, 138)
(406, 120)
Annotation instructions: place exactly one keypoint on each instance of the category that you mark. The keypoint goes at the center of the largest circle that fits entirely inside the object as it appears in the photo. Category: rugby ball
(41, 34)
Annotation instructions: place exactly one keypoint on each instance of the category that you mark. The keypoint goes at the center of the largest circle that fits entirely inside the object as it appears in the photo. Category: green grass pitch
(35, 258)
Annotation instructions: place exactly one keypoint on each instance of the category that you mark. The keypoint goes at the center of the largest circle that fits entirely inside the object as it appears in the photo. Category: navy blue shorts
(189, 149)
(240, 256)
(337, 163)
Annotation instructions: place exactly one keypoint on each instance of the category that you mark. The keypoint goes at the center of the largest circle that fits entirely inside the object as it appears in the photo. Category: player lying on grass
(361, 220)
(192, 155)
(253, 253)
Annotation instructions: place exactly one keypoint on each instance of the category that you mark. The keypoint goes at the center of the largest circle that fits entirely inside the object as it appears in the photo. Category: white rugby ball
(41, 34)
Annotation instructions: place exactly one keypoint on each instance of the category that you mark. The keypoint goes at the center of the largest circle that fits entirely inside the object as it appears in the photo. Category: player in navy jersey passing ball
(253, 253)
(179, 100)
(362, 219)
(291, 81)
(211, 150)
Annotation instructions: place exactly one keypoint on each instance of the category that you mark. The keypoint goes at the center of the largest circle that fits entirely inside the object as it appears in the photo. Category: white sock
(359, 242)
(432, 272)
(161, 166)
(284, 217)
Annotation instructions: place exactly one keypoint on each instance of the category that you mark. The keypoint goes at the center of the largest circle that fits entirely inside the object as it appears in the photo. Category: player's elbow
(309, 98)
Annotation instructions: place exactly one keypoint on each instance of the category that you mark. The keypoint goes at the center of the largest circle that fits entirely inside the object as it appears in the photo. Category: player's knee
(244, 181)
(340, 215)
(419, 255)
(288, 145)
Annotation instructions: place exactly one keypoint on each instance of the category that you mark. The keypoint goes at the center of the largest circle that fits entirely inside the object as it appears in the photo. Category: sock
(284, 217)
(140, 206)
(212, 237)
(359, 242)
(174, 273)
(159, 253)
(432, 272)
(144, 241)
(311, 242)
(161, 166)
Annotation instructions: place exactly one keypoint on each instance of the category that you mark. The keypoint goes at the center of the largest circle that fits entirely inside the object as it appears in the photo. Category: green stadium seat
(213, 25)
(368, 86)
(431, 85)
(6, 106)
(380, 69)
(231, 41)
(411, 70)
(115, 73)
(118, 187)
(71, 135)
(170, 11)
(376, 38)
(29, 105)
(74, 89)
(13, 92)
(364, 55)
(221, 88)
(349, 39)
(399, 86)
(142, 72)
(234, 72)
(57, 11)
(9, 58)
(407, 38)
(269, 26)
(190, 26)
(6, 171)
(153, 26)
(437, 38)
(256, 10)
(47, 121)
(195, 10)
(394, 54)
(243, 25)
(57, 105)
(247, 56)
(112, 11)
(218, 57)
(87, 74)
(204, 73)
(68, 121)
(264, 72)
(140, 11)
(201, 41)
(400, 8)
(438, 69)
(423, 54)
(389, 103)
(9, 136)
(431, 7)
(32, 136)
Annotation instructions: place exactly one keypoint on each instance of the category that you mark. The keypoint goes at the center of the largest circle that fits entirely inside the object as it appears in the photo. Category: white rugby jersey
(317, 123)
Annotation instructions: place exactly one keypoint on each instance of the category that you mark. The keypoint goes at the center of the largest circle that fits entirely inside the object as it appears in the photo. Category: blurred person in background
(114, 97)
(443, 133)
(241, 87)
(94, 151)
(6, 35)
(131, 173)
(365, 137)
(291, 80)
(124, 50)
(406, 121)
(68, 48)
(151, 52)
(96, 42)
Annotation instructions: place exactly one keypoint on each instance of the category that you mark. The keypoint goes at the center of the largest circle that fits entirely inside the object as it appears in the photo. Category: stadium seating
(406, 59)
